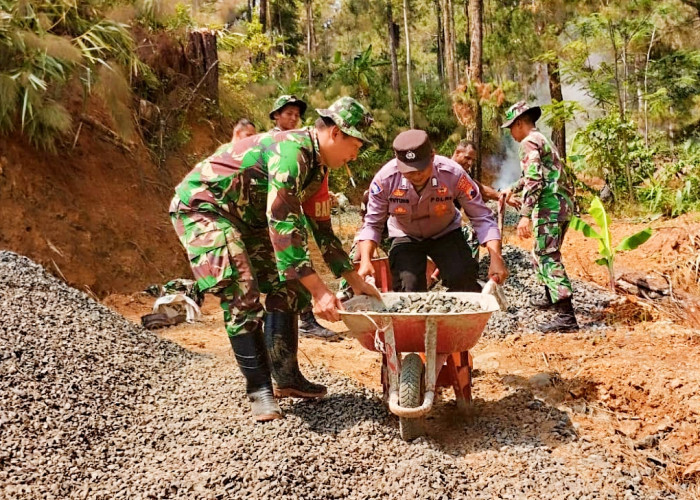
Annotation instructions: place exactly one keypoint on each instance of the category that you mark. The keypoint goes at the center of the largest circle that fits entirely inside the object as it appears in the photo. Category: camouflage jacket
(547, 189)
(272, 180)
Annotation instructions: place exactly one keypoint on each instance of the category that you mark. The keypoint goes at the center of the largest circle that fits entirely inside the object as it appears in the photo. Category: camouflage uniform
(548, 194)
(239, 215)
(282, 101)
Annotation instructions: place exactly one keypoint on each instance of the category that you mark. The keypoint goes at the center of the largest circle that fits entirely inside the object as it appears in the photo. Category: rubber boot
(564, 321)
(252, 360)
(282, 341)
(542, 302)
(309, 327)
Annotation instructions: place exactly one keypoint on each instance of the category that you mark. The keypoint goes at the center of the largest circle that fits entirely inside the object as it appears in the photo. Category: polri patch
(400, 210)
(375, 188)
(399, 193)
(466, 187)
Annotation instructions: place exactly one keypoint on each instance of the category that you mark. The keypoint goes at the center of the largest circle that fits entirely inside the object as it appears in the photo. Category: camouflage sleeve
(532, 177)
(330, 246)
(287, 165)
(517, 186)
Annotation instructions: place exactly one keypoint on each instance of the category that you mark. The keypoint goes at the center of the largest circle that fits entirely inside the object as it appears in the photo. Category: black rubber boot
(542, 302)
(309, 327)
(252, 360)
(564, 321)
(282, 341)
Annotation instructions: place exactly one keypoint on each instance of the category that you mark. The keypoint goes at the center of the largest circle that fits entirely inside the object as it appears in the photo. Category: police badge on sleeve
(375, 188)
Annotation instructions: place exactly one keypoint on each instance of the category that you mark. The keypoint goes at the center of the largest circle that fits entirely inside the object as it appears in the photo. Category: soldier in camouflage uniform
(547, 201)
(287, 112)
(242, 214)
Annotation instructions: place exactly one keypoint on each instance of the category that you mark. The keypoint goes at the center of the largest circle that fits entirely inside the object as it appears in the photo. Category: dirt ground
(632, 387)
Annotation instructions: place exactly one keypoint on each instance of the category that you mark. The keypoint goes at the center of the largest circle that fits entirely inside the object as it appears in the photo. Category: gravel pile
(590, 300)
(72, 374)
(92, 406)
(432, 303)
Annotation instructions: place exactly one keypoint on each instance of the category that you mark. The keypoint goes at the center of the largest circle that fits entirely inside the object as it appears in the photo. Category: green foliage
(603, 234)
(559, 113)
(612, 149)
(359, 71)
(44, 44)
(675, 188)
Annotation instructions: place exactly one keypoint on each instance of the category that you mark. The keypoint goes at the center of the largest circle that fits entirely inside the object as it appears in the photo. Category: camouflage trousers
(471, 239)
(546, 257)
(237, 264)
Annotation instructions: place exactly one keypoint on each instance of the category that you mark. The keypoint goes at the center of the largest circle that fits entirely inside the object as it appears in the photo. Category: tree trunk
(449, 54)
(559, 130)
(309, 38)
(467, 30)
(250, 10)
(440, 43)
(393, 32)
(409, 85)
(453, 43)
(263, 15)
(646, 89)
(203, 62)
(476, 13)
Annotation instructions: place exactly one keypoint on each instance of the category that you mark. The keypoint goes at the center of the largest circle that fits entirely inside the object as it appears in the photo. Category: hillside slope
(95, 215)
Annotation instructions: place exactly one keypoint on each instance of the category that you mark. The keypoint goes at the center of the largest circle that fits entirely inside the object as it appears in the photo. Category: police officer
(547, 205)
(414, 195)
(240, 216)
(287, 113)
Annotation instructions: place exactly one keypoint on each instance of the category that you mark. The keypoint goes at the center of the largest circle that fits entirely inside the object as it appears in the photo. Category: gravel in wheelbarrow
(431, 303)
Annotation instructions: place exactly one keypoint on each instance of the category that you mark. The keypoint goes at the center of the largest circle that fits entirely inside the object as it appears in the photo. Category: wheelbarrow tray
(456, 331)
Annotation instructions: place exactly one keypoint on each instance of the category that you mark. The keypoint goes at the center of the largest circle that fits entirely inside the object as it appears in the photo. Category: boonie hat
(413, 151)
(283, 100)
(350, 116)
(518, 109)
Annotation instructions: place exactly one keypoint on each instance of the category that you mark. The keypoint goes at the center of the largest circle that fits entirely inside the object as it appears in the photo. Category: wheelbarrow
(437, 347)
(382, 272)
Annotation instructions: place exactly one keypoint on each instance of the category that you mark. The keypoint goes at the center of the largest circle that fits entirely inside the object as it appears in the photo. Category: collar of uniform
(315, 148)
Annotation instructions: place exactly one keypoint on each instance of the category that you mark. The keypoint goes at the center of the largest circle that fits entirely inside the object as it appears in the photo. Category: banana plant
(602, 234)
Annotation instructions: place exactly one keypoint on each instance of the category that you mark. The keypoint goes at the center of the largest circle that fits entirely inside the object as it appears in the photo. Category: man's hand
(497, 269)
(326, 306)
(366, 269)
(524, 231)
(366, 248)
(510, 199)
(360, 286)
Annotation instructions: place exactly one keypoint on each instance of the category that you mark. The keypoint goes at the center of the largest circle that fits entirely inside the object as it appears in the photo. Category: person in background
(244, 128)
(287, 113)
(547, 206)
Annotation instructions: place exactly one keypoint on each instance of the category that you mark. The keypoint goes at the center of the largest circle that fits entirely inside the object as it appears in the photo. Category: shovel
(492, 288)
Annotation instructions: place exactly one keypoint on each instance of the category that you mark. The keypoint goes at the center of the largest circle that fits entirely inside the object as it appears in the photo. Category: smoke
(506, 165)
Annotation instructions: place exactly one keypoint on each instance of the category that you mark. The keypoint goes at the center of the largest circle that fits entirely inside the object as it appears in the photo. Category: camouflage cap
(283, 100)
(518, 109)
(350, 116)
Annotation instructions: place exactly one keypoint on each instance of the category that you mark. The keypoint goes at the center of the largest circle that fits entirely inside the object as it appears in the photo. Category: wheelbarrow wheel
(411, 392)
